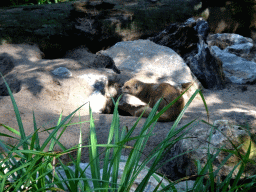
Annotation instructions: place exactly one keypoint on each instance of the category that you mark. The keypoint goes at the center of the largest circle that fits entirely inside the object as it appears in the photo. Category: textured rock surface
(231, 42)
(150, 62)
(90, 60)
(236, 69)
(237, 54)
(152, 183)
(188, 40)
(62, 72)
(200, 140)
(54, 82)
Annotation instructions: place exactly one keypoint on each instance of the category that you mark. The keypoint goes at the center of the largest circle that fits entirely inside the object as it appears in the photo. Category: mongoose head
(133, 87)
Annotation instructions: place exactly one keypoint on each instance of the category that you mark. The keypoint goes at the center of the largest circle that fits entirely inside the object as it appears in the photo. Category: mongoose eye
(136, 86)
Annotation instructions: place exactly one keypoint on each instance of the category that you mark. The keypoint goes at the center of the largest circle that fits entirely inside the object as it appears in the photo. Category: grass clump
(30, 166)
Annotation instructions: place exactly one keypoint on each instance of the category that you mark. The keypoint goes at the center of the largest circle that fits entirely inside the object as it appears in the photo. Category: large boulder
(188, 40)
(150, 63)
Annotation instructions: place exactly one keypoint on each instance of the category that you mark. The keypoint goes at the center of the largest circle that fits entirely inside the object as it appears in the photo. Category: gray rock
(96, 23)
(150, 62)
(98, 83)
(236, 69)
(84, 166)
(199, 141)
(185, 185)
(62, 72)
(152, 183)
(201, 26)
(47, 30)
(231, 42)
(240, 49)
(206, 66)
(90, 60)
(105, 61)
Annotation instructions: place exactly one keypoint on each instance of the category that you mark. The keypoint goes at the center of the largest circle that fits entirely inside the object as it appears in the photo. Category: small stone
(62, 72)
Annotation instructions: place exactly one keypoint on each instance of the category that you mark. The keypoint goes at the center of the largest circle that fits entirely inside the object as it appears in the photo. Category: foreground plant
(236, 180)
(29, 166)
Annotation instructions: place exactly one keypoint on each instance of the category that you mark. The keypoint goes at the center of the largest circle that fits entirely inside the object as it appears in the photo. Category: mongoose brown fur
(150, 93)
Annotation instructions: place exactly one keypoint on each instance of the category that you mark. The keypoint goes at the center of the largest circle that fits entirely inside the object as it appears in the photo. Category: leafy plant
(31, 166)
(27, 165)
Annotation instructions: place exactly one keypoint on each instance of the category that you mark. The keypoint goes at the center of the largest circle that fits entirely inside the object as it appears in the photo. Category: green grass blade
(55, 135)
(159, 154)
(242, 167)
(17, 113)
(37, 144)
(94, 155)
(11, 129)
(107, 163)
(57, 128)
(5, 135)
(205, 105)
(225, 184)
(35, 139)
(79, 151)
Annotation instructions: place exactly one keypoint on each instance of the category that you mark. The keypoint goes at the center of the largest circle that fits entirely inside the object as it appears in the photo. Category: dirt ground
(235, 103)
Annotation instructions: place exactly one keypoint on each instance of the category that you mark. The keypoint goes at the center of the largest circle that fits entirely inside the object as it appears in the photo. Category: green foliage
(31, 166)
(29, 2)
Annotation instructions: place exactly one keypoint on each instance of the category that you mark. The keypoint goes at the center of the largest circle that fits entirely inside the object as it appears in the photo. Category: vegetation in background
(6, 3)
